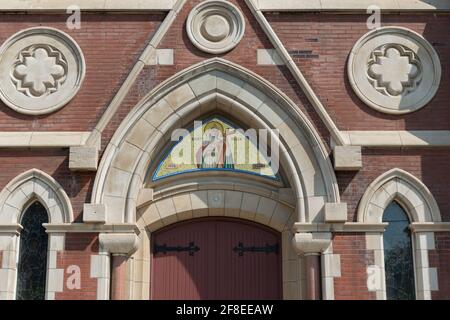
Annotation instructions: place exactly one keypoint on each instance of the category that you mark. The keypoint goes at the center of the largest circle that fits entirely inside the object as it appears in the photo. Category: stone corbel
(347, 158)
(85, 157)
(94, 213)
(119, 243)
(335, 212)
(311, 243)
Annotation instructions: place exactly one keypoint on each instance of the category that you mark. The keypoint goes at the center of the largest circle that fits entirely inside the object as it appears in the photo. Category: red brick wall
(440, 258)
(78, 250)
(54, 162)
(352, 285)
(330, 39)
(111, 45)
(186, 54)
(429, 165)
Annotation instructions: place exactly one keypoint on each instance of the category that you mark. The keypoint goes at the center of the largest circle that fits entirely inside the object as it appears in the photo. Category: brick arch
(34, 185)
(236, 91)
(399, 185)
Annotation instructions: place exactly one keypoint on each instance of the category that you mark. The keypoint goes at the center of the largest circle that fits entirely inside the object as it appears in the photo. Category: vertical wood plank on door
(216, 271)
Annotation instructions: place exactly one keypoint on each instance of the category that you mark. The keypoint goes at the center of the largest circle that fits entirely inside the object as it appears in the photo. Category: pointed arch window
(398, 254)
(217, 145)
(32, 266)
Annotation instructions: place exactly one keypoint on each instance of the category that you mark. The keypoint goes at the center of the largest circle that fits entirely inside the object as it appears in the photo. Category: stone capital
(311, 243)
(119, 243)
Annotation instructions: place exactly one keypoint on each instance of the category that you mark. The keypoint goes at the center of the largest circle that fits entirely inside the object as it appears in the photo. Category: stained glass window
(399, 266)
(32, 267)
(217, 144)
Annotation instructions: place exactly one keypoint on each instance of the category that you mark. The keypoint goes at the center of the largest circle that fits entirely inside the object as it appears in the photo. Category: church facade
(212, 149)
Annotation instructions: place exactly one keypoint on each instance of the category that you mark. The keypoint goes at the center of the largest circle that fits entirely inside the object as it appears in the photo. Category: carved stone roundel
(41, 70)
(215, 26)
(394, 70)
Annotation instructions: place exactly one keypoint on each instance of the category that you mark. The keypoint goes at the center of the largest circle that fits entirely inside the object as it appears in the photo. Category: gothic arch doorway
(213, 87)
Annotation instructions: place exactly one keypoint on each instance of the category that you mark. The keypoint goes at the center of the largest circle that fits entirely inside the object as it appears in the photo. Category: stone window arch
(15, 198)
(419, 204)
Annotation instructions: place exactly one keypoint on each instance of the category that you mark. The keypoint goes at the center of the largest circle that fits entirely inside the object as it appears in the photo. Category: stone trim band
(384, 139)
(353, 5)
(263, 5)
(91, 5)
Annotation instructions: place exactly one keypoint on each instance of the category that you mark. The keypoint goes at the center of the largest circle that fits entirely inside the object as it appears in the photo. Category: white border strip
(430, 227)
(90, 228)
(91, 5)
(353, 5)
(437, 138)
(264, 5)
(368, 227)
(375, 139)
(55, 139)
(339, 227)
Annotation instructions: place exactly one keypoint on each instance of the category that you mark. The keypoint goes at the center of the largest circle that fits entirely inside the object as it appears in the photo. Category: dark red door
(216, 259)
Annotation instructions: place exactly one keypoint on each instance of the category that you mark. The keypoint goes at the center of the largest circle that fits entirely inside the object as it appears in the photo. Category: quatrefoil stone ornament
(394, 70)
(41, 70)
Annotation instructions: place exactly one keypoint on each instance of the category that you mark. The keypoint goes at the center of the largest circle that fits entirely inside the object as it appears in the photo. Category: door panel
(252, 275)
(215, 271)
(179, 275)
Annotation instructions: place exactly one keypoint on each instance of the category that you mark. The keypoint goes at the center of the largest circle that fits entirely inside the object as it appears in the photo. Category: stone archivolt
(39, 70)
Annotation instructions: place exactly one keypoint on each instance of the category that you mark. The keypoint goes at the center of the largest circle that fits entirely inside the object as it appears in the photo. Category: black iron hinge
(191, 248)
(240, 249)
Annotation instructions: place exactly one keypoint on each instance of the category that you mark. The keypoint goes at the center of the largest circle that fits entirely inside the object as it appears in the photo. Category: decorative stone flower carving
(39, 70)
(394, 70)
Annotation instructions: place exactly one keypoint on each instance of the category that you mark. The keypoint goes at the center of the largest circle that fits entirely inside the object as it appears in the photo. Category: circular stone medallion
(394, 70)
(215, 26)
(41, 70)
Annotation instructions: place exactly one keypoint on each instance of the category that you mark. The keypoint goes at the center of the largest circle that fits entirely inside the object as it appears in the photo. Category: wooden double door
(216, 259)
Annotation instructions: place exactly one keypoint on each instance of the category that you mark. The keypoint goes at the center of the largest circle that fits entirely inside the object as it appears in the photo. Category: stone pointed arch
(234, 90)
(33, 185)
(273, 213)
(402, 186)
